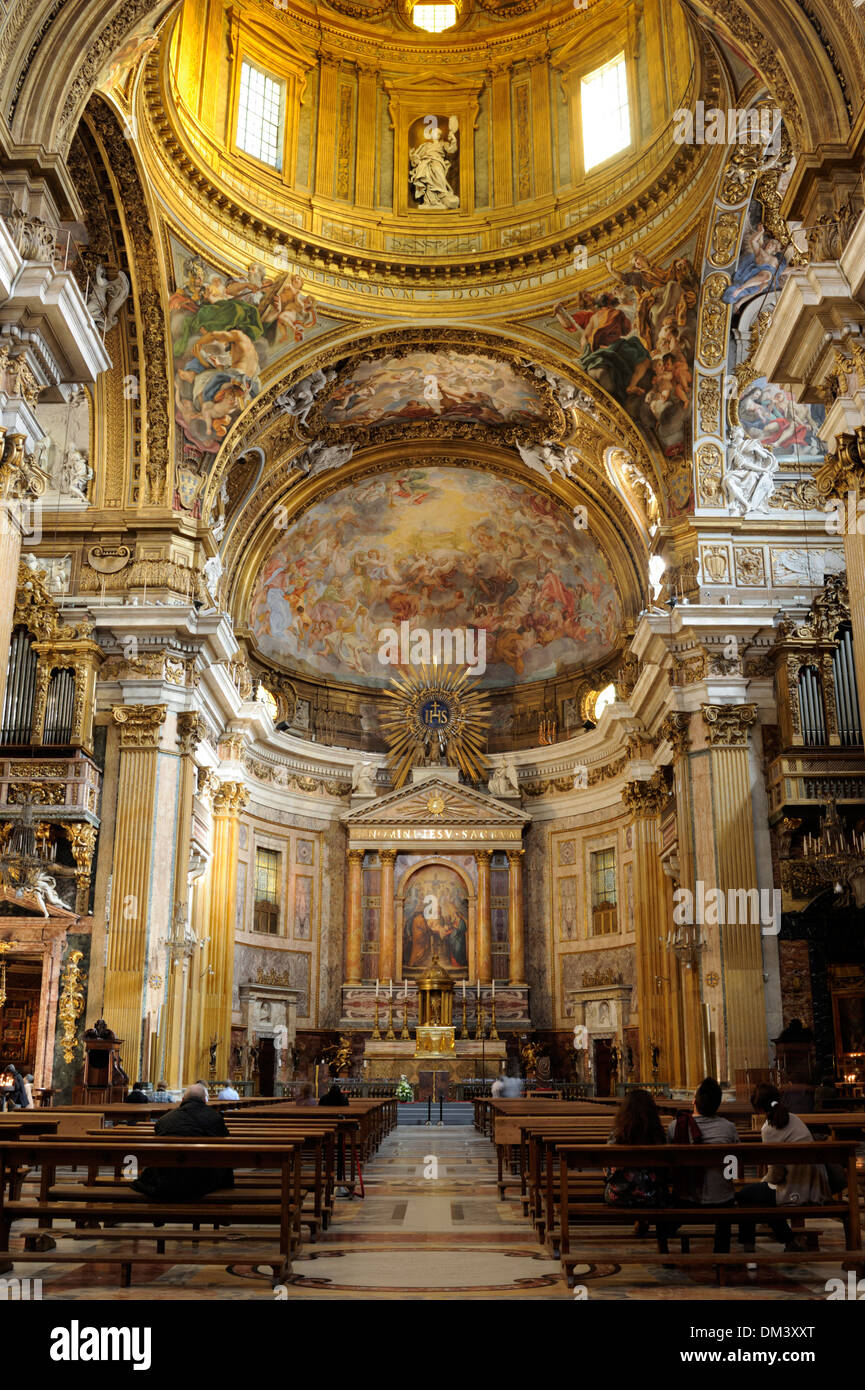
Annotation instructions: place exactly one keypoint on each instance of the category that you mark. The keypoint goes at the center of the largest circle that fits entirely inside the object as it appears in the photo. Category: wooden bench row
(318, 1147)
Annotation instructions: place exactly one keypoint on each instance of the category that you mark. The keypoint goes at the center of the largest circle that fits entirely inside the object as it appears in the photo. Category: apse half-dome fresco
(436, 548)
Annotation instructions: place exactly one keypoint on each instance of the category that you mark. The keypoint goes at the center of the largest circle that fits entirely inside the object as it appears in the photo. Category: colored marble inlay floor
(431, 1226)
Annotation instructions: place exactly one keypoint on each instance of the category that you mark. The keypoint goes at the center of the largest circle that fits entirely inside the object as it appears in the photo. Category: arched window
(846, 690)
(20, 689)
(812, 720)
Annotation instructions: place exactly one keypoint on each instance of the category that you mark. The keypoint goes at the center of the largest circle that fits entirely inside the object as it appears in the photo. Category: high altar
(435, 958)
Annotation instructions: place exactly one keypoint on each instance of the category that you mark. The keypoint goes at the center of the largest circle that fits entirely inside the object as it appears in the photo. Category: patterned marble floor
(430, 1227)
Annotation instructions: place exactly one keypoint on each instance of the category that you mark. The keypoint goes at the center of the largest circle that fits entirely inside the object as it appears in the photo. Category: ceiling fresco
(428, 385)
(437, 548)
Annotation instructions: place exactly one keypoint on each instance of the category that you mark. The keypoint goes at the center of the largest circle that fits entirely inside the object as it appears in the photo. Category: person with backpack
(637, 1122)
(706, 1187)
(786, 1184)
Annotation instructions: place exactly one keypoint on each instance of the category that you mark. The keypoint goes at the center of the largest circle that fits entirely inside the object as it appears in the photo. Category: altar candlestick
(405, 989)
(479, 989)
(494, 990)
(464, 989)
(376, 987)
(390, 995)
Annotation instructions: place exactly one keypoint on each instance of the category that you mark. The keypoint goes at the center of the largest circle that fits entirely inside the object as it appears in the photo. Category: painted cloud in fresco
(422, 385)
(437, 547)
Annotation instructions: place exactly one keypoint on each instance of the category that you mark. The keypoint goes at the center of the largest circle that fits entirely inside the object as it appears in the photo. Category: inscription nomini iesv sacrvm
(440, 832)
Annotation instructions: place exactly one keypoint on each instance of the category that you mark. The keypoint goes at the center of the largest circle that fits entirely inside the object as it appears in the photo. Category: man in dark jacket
(335, 1096)
(194, 1118)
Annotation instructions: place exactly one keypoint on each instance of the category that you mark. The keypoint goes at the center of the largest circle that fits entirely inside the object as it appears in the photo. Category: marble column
(676, 729)
(228, 804)
(140, 727)
(181, 942)
(484, 956)
(732, 774)
(516, 928)
(387, 934)
(645, 801)
(354, 918)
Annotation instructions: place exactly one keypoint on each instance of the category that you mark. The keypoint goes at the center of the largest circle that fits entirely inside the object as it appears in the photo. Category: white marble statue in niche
(430, 163)
(749, 479)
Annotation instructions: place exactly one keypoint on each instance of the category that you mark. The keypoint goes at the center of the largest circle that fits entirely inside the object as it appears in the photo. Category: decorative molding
(70, 1005)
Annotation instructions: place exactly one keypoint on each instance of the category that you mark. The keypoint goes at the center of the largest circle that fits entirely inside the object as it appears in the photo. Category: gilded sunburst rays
(438, 708)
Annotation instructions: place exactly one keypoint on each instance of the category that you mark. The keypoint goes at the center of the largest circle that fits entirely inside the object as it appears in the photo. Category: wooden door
(603, 1066)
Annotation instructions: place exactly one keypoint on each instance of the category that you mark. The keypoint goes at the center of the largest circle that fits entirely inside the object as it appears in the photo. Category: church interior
(423, 841)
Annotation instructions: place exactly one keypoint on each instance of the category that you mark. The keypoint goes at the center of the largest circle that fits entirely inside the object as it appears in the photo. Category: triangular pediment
(436, 802)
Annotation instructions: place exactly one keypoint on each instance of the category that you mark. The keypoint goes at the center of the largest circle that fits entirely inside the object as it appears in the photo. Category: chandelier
(836, 855)
(686, 942)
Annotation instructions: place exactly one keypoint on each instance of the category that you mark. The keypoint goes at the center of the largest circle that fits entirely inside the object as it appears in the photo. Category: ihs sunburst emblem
(435, 805)
(713, 979)
(436, 716)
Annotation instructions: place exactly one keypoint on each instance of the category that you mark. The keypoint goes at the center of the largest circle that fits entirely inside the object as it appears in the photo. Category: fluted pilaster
(354, 917)
(228, 804)
(645, 801)
(140, 728)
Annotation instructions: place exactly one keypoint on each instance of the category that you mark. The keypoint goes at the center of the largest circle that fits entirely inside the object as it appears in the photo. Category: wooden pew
(117, 1203)
(579, 1211)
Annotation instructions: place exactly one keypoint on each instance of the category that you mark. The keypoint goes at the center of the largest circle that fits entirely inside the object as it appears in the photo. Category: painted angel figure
(750, 475)
(429, 166)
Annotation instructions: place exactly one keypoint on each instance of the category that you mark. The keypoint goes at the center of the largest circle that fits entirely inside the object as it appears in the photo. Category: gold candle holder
(390, 1033)
(464, 1032)
(405, 1033)
(376, 1035)
(479, 1029)
(493, 1033)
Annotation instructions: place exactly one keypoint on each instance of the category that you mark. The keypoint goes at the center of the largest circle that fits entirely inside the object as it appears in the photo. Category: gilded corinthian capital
(676, 730)
(645, 799)
(728, 724)
(191, 730)
(844, 468)
(139, 724)
(230, 799)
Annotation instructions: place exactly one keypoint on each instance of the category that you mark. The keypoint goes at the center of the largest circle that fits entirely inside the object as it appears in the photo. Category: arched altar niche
(444, 888)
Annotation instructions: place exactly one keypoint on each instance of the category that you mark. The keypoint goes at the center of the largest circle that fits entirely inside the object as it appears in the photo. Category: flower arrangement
(404, 1090)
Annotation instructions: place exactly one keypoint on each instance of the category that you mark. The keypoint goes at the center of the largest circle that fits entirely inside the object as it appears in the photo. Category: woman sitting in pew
(638, 1122)
(785, 1185)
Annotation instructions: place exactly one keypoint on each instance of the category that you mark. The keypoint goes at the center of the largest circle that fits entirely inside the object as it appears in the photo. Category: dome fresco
(438, 548)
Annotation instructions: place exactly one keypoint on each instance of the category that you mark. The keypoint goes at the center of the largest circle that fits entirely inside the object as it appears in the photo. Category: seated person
(193, 1117)
(162, 1095)
(305, 1096)
(637, 1122)
(826, 1095)
(335, 1095)
(137, 1096)
(786, 1184)
(228, 1092)
(707, 1186)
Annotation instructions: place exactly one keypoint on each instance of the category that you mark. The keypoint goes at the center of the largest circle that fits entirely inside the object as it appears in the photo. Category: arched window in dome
(434, 18)
(260, 115)
(606, 112)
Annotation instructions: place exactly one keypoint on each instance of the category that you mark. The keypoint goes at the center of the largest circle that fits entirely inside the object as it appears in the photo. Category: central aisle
(429, 1226)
